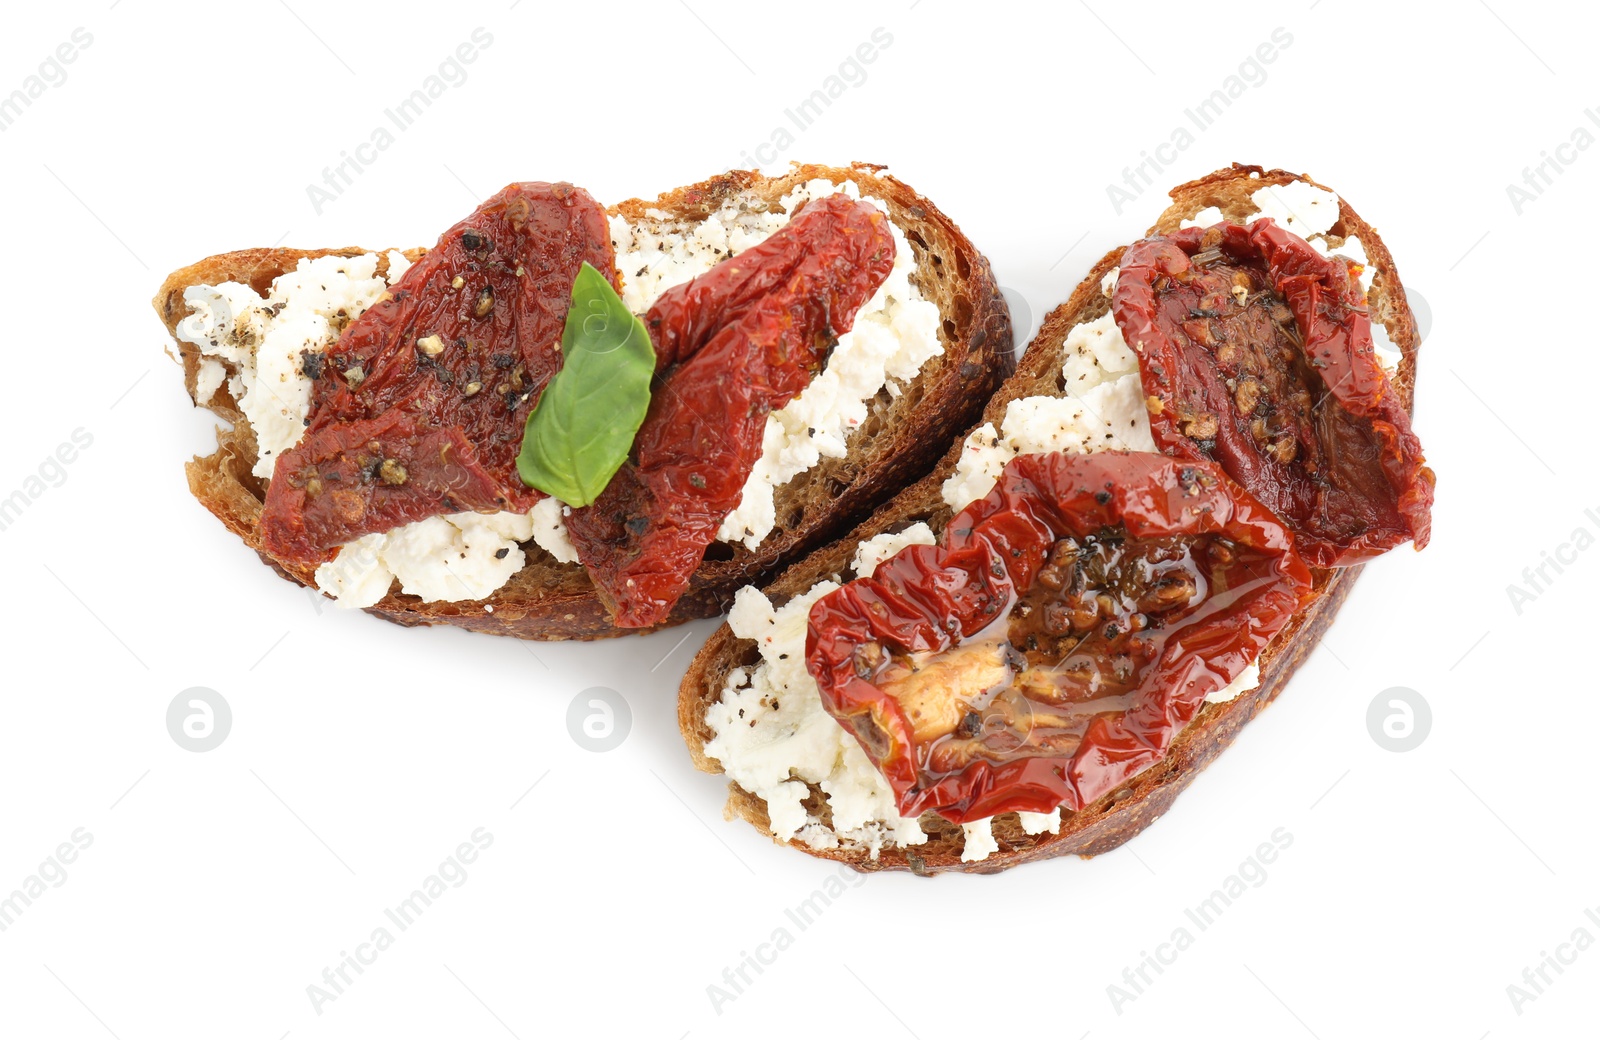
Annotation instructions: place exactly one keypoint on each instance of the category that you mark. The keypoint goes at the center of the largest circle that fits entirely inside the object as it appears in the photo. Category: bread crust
(901, 440)
(1114, 819)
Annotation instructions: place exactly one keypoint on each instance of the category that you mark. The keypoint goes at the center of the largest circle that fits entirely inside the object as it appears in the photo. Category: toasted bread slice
(1114, 819)
(901, 439)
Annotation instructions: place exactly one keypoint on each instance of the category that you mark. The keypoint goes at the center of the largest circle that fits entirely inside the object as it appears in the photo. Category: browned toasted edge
(1125, 812)
(551, 601)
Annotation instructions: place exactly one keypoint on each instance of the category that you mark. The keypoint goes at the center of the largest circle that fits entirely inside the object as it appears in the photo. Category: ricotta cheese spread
(774, 738)
(464, 556)
(1102, 406)
(261, 338)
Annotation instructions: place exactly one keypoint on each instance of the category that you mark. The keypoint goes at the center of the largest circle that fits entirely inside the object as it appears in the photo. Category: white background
(220, 885)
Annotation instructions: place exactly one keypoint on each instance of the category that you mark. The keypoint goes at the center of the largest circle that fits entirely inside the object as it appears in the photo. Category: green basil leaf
(579, 433)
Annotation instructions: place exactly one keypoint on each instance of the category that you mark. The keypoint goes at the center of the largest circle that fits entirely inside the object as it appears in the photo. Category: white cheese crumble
(398, 265)
(773, 737)
(261, 338)
(1102, 407)
(1297, 206)
(873, 551)
(208, 380)
(1039, 823)
(550, 529)
(465, 556)
(978, 840)
(1308, 211)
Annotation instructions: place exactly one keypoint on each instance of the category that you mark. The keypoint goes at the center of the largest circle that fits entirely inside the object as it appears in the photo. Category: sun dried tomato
(747, 336)
(1069, 626)
(419, 409)
(1256, 352)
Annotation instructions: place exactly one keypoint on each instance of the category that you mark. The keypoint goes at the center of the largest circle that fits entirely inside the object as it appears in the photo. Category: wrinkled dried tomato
(1068, 627)
(1256, 352)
